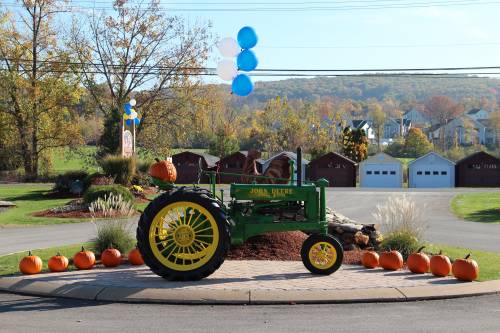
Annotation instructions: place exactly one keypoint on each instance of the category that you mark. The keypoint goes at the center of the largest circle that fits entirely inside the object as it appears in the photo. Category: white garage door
(381, 176)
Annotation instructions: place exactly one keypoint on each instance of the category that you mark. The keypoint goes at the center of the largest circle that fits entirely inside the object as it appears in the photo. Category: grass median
(478, 207)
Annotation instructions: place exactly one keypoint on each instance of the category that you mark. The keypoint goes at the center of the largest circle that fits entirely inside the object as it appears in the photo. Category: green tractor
(185, 233)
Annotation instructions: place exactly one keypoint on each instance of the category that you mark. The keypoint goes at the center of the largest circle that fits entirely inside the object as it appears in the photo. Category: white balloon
(228, 47)
(226, 69)
(132, 102)
(133, 115)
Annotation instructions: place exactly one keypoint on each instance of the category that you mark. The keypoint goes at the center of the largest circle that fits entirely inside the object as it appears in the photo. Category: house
(187, 165)
(366, 126)
(465, 130)
(381, 170)
(339, 170)
(478, 114)
(393, 128)
(478, 170)
(417, 118)
(233, 164)
(291, 156)
(490, 135)
(431, 170)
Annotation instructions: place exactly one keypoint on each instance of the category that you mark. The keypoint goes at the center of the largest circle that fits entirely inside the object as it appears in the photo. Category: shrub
(402, 241)
(112, 205)
(122, 169)
(102, 191)
(63, 182)
(98, 179)
(143, 166)
(116, 234)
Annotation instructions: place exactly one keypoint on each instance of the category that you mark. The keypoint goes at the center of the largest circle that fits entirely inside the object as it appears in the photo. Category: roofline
(429, 153)
(335, 153)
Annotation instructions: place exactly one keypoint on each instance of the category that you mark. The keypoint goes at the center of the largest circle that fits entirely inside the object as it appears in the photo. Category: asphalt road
(34, 314)
(357, 204)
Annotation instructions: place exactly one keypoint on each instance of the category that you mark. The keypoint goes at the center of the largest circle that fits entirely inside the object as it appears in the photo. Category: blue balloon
(128, 108)
(247, 61)
(137, 121)
(247, 38)
(128, 122)
(242, 85)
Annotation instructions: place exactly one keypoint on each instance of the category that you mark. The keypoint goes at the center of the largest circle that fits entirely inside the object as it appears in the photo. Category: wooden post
(133, 136)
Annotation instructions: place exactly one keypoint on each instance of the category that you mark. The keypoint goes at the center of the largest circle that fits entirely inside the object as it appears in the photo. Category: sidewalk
(247, 282)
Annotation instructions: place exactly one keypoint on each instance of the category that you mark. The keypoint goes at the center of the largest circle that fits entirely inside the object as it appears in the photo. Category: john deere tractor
(185, 233)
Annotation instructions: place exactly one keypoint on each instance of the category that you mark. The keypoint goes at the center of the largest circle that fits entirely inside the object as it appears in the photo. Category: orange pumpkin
(418, 262)
(58, 263)
(465, 269)
(163, 170)
(135, 257)
(440, 265)
(391, 260)
(30, 264)
(84, 259)
(370, 259)
(111, 257)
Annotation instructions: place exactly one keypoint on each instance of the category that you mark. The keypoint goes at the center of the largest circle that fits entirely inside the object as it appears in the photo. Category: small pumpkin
(465, 269)
(30, 264)
(391, 260)
(84, 259)
(163, 170)
(370, 259)
(58, 263)
(419, 262)
(135, 257)
(111, 257)
(440, 265)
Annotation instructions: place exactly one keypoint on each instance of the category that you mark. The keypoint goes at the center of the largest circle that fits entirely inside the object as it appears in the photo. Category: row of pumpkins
(84, 259)
(419, 263)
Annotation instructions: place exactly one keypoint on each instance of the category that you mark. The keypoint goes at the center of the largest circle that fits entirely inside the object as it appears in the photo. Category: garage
(381, 171)
(431, 171)
(339, 170)
(187, 165)
(478, 170)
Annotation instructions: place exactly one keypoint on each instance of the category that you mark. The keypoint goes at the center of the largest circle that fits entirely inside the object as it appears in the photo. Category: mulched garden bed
(80, 214)
(280, 246)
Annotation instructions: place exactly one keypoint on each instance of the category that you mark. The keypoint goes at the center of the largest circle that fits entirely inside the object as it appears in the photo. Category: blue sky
(384, 38)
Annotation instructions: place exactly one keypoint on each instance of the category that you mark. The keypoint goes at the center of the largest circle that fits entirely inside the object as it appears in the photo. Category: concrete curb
(85, 291)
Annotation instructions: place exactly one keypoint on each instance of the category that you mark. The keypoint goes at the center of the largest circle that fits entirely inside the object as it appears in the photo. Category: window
(435, 173)
(419, 173)
(444, 173)
(384, 172)
(427, 173)
(377, 172)
(368, 172)
(393, 172)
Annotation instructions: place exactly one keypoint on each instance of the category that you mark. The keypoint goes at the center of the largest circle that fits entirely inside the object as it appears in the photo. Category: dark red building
(478, 170)
(339, 170)
(186, 164)
(233, 164)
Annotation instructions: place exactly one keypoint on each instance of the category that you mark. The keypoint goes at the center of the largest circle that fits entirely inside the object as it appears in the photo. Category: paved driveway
(357, 204)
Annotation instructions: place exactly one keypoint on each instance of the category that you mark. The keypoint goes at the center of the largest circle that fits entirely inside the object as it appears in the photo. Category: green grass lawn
(30, 198)
(478, 207)
(9, 264)
(63, 159)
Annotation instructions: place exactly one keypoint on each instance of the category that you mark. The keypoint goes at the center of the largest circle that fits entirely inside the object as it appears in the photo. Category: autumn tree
(138, 47)
(378, 118)
(354, 144)
(442, 109)
(37, 91)
(416, 143)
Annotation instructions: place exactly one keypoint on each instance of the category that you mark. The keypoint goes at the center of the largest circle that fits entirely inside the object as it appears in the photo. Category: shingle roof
(358, 123)
(473, 111)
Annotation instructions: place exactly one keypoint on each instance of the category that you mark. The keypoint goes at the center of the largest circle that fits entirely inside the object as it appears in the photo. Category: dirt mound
(279, 246)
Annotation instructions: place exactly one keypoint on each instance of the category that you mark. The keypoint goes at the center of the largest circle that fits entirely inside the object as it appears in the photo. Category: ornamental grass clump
(404, 223)
(115, 234)
(111, 206)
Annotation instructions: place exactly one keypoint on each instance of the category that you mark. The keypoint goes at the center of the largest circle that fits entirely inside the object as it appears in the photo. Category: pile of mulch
(284, 246)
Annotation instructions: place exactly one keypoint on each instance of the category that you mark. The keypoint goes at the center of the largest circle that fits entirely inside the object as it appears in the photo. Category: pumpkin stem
(440, 252)
(58, 254)
(420, 249)
(29, 253)
(467, 256)
(83, 249)
(157, 160)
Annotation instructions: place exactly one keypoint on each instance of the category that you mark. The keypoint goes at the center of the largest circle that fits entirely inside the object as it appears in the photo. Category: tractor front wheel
(322, 254)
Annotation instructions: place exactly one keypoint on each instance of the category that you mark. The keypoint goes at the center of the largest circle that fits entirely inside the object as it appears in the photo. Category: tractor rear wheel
(322, 254)
(183, 234)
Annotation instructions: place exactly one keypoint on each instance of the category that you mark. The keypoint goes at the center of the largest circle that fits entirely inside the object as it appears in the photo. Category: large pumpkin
(370, 259)
(418, 262)
(111, 257)
(58, 263)
(440, 265)
(30, 264)
(391, 260)
(135, 257)
(84, 259)
(163, 170)
(465, 269)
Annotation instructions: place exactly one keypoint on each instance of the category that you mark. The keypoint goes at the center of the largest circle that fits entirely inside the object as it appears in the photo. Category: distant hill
(362, 88)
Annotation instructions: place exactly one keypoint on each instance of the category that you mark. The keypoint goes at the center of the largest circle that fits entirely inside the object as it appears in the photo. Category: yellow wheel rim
(183, 236)
(322, 255)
